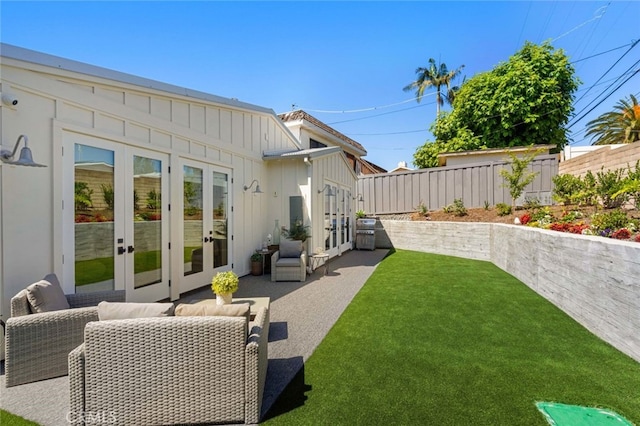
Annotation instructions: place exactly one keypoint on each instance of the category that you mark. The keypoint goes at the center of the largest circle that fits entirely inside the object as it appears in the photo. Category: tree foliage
(519, 177)
(524, 101)
(622, 125)
(435, 75)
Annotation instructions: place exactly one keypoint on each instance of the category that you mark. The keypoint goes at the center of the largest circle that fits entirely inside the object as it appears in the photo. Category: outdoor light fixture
(329, 192)
(26, 159)
(360, 199)
(255, 191)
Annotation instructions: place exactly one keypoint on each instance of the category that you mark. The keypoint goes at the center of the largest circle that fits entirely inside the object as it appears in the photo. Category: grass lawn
(8, 419)
(101, 269)
(437, 340)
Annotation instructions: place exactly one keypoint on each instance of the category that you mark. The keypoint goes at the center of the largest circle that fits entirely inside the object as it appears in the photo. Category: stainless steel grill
(366, 234)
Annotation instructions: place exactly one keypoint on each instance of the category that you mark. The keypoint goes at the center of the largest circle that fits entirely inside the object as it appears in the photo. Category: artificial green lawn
(8, 419)
(437, 340)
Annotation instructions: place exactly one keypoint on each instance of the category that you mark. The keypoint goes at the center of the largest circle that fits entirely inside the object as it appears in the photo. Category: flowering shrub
(525, 218)
(621, 234)
(637, 238)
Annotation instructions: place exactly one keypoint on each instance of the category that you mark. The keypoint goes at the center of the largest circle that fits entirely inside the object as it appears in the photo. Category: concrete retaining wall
(595, 280)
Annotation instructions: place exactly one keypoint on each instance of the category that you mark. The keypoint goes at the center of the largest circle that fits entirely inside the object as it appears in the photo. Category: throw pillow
(124, 310)
(211, 309)
(290, 248)
(45, 296)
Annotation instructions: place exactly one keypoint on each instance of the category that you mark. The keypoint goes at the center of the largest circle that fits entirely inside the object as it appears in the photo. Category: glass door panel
(220, 193)
(147, 221)
(192, 220)
(94, 226)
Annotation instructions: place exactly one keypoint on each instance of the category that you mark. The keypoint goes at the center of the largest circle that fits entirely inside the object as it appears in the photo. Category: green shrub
(503, 209)
(422, 209)
(586, 196)
(542, 216)
(611, 220)
(566, 187)
(608, 185)
(107, 195)
(531, 203)
(154, 200)
(457, 208)
(486, 205)
(82, 196)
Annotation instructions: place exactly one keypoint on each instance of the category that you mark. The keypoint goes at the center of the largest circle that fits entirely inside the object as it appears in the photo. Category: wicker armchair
(171, 370)
(289, 263)
(37, 345)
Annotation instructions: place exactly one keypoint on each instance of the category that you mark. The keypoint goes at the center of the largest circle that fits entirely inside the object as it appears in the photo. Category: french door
(205, 211)
(338, 223)
(116, 218)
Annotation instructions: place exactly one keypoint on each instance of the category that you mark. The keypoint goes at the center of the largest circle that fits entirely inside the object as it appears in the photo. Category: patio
(301, 315)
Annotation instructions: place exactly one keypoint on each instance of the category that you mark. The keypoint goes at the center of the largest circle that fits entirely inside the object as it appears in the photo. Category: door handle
(206, 239)
(121, 250)
(130, 249)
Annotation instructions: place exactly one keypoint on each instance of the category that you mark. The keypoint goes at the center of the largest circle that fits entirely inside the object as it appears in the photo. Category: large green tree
(434, 75)
(622, 125)
(526, 100)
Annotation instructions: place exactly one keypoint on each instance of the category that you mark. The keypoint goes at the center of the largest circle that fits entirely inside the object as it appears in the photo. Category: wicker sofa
(37, 345)
(171, 370)
(289, 263)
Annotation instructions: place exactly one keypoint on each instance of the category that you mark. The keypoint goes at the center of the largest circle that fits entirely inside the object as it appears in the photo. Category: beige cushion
(211, 309)
(45, 296)
(123, 310)
(290, 248)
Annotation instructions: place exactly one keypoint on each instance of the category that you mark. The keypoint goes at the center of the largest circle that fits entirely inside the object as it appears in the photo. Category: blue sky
(335, 56)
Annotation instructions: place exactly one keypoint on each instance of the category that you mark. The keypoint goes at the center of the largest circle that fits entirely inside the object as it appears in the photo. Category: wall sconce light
(255, 191)
(26, 159)
(330, 192)
(360, 199)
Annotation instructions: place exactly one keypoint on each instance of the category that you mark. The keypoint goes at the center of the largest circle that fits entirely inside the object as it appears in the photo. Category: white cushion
(124, 310)
(45, 296)
(211, 309)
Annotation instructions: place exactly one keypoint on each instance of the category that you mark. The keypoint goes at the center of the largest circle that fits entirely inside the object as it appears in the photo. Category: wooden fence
(476, 184)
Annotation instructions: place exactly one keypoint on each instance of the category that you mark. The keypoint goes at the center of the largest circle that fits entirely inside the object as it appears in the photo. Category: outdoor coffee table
(255, 303)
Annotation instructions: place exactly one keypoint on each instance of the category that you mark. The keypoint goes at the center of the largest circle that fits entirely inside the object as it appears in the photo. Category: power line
(384, 113)
(585, 22)
(606, 97)
(362, 109)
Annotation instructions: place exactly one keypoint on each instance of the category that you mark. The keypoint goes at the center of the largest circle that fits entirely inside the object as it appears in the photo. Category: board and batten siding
(474, 184)
(57, 102)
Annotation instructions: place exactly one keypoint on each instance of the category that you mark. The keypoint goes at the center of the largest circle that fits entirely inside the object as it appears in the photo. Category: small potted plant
(224, 284)
(256, 264)
(297, 232)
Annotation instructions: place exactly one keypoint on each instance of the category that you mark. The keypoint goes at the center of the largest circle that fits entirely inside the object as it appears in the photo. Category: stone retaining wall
(595, 280)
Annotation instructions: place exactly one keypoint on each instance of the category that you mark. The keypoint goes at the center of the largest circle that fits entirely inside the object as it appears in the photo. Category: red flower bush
(621, 234)
(525, 218)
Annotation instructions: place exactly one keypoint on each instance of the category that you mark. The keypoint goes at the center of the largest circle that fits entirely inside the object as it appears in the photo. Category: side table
(319, 259)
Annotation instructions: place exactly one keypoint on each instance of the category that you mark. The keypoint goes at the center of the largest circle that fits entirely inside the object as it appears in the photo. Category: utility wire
(603, 9)
(606, 97)
(610, 68)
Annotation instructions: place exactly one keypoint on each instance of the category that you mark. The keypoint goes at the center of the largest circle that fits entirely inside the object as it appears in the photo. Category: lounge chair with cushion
(289, 263)
(45, 325)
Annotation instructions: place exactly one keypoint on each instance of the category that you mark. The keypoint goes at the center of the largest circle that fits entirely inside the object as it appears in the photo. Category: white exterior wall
(333, 170)
(54, 102)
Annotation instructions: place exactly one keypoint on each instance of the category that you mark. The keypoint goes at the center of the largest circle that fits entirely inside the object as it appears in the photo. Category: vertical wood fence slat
(392, 193)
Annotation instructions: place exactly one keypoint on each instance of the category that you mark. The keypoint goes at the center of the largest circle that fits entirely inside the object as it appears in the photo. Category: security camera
(9, 100)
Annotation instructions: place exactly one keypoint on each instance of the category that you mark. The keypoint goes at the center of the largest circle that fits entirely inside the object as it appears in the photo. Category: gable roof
(300, 115)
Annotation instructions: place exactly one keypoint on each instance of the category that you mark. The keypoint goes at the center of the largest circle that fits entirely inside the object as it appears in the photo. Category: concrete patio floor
(301, 315)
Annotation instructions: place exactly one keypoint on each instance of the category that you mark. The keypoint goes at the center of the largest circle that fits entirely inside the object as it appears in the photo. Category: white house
(149, 187)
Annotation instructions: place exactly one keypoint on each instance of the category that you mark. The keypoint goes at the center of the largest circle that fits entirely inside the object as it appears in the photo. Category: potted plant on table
(256, 264)
(224, 284)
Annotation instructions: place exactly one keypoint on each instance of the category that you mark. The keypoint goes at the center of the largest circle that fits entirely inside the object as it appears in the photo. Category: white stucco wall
(595, 280)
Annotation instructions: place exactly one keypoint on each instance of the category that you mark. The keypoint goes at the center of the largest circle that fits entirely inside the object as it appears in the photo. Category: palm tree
(434, 75)
(622, 125)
